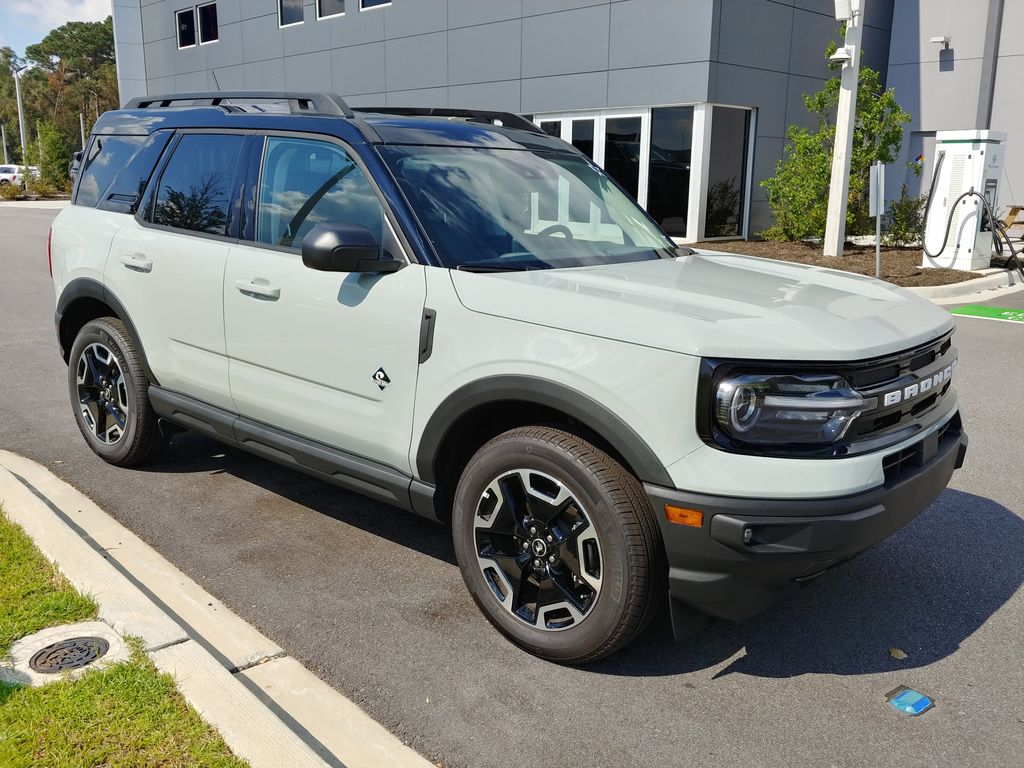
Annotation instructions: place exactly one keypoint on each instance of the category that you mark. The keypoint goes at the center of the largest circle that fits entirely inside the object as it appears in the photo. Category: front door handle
(137, 262)
(258, 288)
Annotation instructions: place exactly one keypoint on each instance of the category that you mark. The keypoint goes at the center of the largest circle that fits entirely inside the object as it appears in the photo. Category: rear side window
(306, 183)
(107, 155)
(196, 188)
(125, 192)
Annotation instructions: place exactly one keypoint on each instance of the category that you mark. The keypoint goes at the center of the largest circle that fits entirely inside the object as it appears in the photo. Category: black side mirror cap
(345, 248)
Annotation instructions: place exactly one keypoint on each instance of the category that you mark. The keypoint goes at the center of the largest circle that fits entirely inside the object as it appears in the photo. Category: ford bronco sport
(454, 313)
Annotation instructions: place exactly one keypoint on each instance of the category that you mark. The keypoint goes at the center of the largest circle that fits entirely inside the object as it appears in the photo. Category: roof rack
(507, 119)
(298, 103)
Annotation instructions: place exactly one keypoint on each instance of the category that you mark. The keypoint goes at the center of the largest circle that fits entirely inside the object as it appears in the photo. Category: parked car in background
(11, 174)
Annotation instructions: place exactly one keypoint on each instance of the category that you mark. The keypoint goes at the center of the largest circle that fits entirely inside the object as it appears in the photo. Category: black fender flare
(87, 288)
(584, 409)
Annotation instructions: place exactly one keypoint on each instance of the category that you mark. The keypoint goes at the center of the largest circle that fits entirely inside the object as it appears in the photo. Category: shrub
(42, 188)
(904, 221)
(798, 193)
(10, 192)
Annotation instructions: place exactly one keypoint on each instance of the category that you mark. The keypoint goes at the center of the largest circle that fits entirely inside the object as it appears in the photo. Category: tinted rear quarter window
(125, 192)
(106, 156)
(196, 187)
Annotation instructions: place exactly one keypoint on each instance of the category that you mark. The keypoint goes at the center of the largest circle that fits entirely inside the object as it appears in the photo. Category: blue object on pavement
(909, 701)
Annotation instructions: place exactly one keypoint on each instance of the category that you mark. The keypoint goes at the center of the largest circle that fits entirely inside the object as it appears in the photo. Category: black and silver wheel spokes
(102, 394)
(537, 549)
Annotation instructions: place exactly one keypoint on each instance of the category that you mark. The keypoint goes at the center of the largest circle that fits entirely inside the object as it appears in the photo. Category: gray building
(685, 102)
(959, 66)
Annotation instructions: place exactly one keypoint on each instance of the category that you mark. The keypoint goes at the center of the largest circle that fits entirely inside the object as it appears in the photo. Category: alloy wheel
(538, 549)
(102, 394)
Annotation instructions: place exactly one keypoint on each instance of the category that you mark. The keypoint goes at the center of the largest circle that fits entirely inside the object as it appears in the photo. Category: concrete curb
(269, 709)
(1003, 279)
(43, 205)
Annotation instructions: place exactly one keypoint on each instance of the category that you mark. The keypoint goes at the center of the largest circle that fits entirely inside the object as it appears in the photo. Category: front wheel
(557, 544)
(110, 395)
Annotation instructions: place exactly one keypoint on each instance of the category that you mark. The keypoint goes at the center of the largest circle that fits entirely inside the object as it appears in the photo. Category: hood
(725, 306)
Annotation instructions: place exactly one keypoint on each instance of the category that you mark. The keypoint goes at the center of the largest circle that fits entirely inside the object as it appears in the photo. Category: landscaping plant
(798, 193)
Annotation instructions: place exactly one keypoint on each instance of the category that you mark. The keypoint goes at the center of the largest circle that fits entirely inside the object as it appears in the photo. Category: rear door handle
(258, 288)
(137, 262)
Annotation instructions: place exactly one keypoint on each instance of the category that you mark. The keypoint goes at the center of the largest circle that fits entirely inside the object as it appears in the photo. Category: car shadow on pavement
(924, 592)
(191, 453)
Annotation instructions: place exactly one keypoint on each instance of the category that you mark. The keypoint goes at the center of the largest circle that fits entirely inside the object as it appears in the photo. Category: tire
(114, 415)
(600, 544)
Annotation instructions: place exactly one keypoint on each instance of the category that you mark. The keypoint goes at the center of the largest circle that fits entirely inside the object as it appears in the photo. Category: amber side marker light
(692, 517)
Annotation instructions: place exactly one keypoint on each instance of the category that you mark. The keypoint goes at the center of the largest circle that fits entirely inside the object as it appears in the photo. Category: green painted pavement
(991, 313)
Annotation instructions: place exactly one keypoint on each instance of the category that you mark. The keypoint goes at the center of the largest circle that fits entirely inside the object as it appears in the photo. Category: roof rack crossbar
(508, 119)
(319, 103)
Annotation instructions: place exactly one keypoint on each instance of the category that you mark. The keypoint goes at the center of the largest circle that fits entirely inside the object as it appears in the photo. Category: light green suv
(459, 315)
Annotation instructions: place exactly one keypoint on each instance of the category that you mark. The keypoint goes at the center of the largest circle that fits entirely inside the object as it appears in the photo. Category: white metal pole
(21, 115)
(81, 126)
(839, 190)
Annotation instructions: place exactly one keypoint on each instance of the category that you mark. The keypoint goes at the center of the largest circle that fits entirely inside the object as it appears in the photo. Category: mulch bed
(901, 266)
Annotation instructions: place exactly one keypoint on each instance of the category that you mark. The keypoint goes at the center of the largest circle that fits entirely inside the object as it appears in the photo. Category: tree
(71, 71)
(798, 193)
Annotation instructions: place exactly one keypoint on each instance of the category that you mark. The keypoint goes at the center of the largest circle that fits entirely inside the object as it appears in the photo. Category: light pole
(852, 11)
(21, 112)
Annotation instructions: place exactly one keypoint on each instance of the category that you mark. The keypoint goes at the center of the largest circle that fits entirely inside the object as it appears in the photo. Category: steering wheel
(556, 228)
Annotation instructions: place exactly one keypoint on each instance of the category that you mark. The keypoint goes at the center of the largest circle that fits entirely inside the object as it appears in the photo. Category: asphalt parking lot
(370, 599)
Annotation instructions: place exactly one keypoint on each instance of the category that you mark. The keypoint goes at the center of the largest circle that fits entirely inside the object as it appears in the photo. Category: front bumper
(721, 570)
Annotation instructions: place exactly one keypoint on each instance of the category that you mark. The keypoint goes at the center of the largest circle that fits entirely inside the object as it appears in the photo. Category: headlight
(778, 410)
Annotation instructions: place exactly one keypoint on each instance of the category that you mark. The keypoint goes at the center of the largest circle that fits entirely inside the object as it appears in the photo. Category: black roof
(326, 114)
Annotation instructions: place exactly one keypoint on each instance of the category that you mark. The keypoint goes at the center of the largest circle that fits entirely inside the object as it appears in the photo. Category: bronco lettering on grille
(920, 387)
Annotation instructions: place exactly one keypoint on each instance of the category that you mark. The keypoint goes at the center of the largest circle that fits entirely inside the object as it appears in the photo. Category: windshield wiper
(491, 268)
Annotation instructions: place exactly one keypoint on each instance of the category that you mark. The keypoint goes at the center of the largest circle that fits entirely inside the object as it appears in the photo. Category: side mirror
(344, 248)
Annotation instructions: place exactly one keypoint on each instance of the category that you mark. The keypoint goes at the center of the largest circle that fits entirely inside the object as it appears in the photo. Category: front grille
(915, 369)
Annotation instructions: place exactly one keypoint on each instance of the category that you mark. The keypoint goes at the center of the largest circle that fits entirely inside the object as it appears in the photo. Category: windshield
(486, 209)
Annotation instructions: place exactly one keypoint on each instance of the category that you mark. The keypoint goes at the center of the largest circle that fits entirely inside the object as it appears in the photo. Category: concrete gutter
(269, 709)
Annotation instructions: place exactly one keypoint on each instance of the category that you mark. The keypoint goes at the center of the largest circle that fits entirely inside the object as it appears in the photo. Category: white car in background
(11, 174)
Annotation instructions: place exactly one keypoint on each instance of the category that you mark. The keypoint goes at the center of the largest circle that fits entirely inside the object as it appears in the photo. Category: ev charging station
(967, 165)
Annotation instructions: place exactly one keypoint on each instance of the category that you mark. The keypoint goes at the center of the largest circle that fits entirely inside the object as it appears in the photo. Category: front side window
(208, 31)
(326, 8)
(289, 12)
(305, 183)
(107, 155)
(511, 210)
(186, 22)
(365, 5)
(195, 189)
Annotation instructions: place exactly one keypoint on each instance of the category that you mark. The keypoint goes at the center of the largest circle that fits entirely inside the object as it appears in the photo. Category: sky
(24, 22)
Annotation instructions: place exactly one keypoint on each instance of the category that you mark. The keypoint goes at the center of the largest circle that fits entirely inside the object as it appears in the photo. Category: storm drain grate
(75, 653)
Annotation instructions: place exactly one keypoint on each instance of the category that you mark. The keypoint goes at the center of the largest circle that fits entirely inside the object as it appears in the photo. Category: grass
(125, 716)
(33, 594)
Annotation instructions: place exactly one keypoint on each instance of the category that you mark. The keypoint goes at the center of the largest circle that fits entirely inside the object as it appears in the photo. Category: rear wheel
(557, 544)
(110, 395)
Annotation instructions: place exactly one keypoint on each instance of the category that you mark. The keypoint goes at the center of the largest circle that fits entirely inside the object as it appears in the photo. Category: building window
(365, 5)
(727, 172)
(208, 32)
(186, 23)
(668, 196)
(289, 12)
(325, 9)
